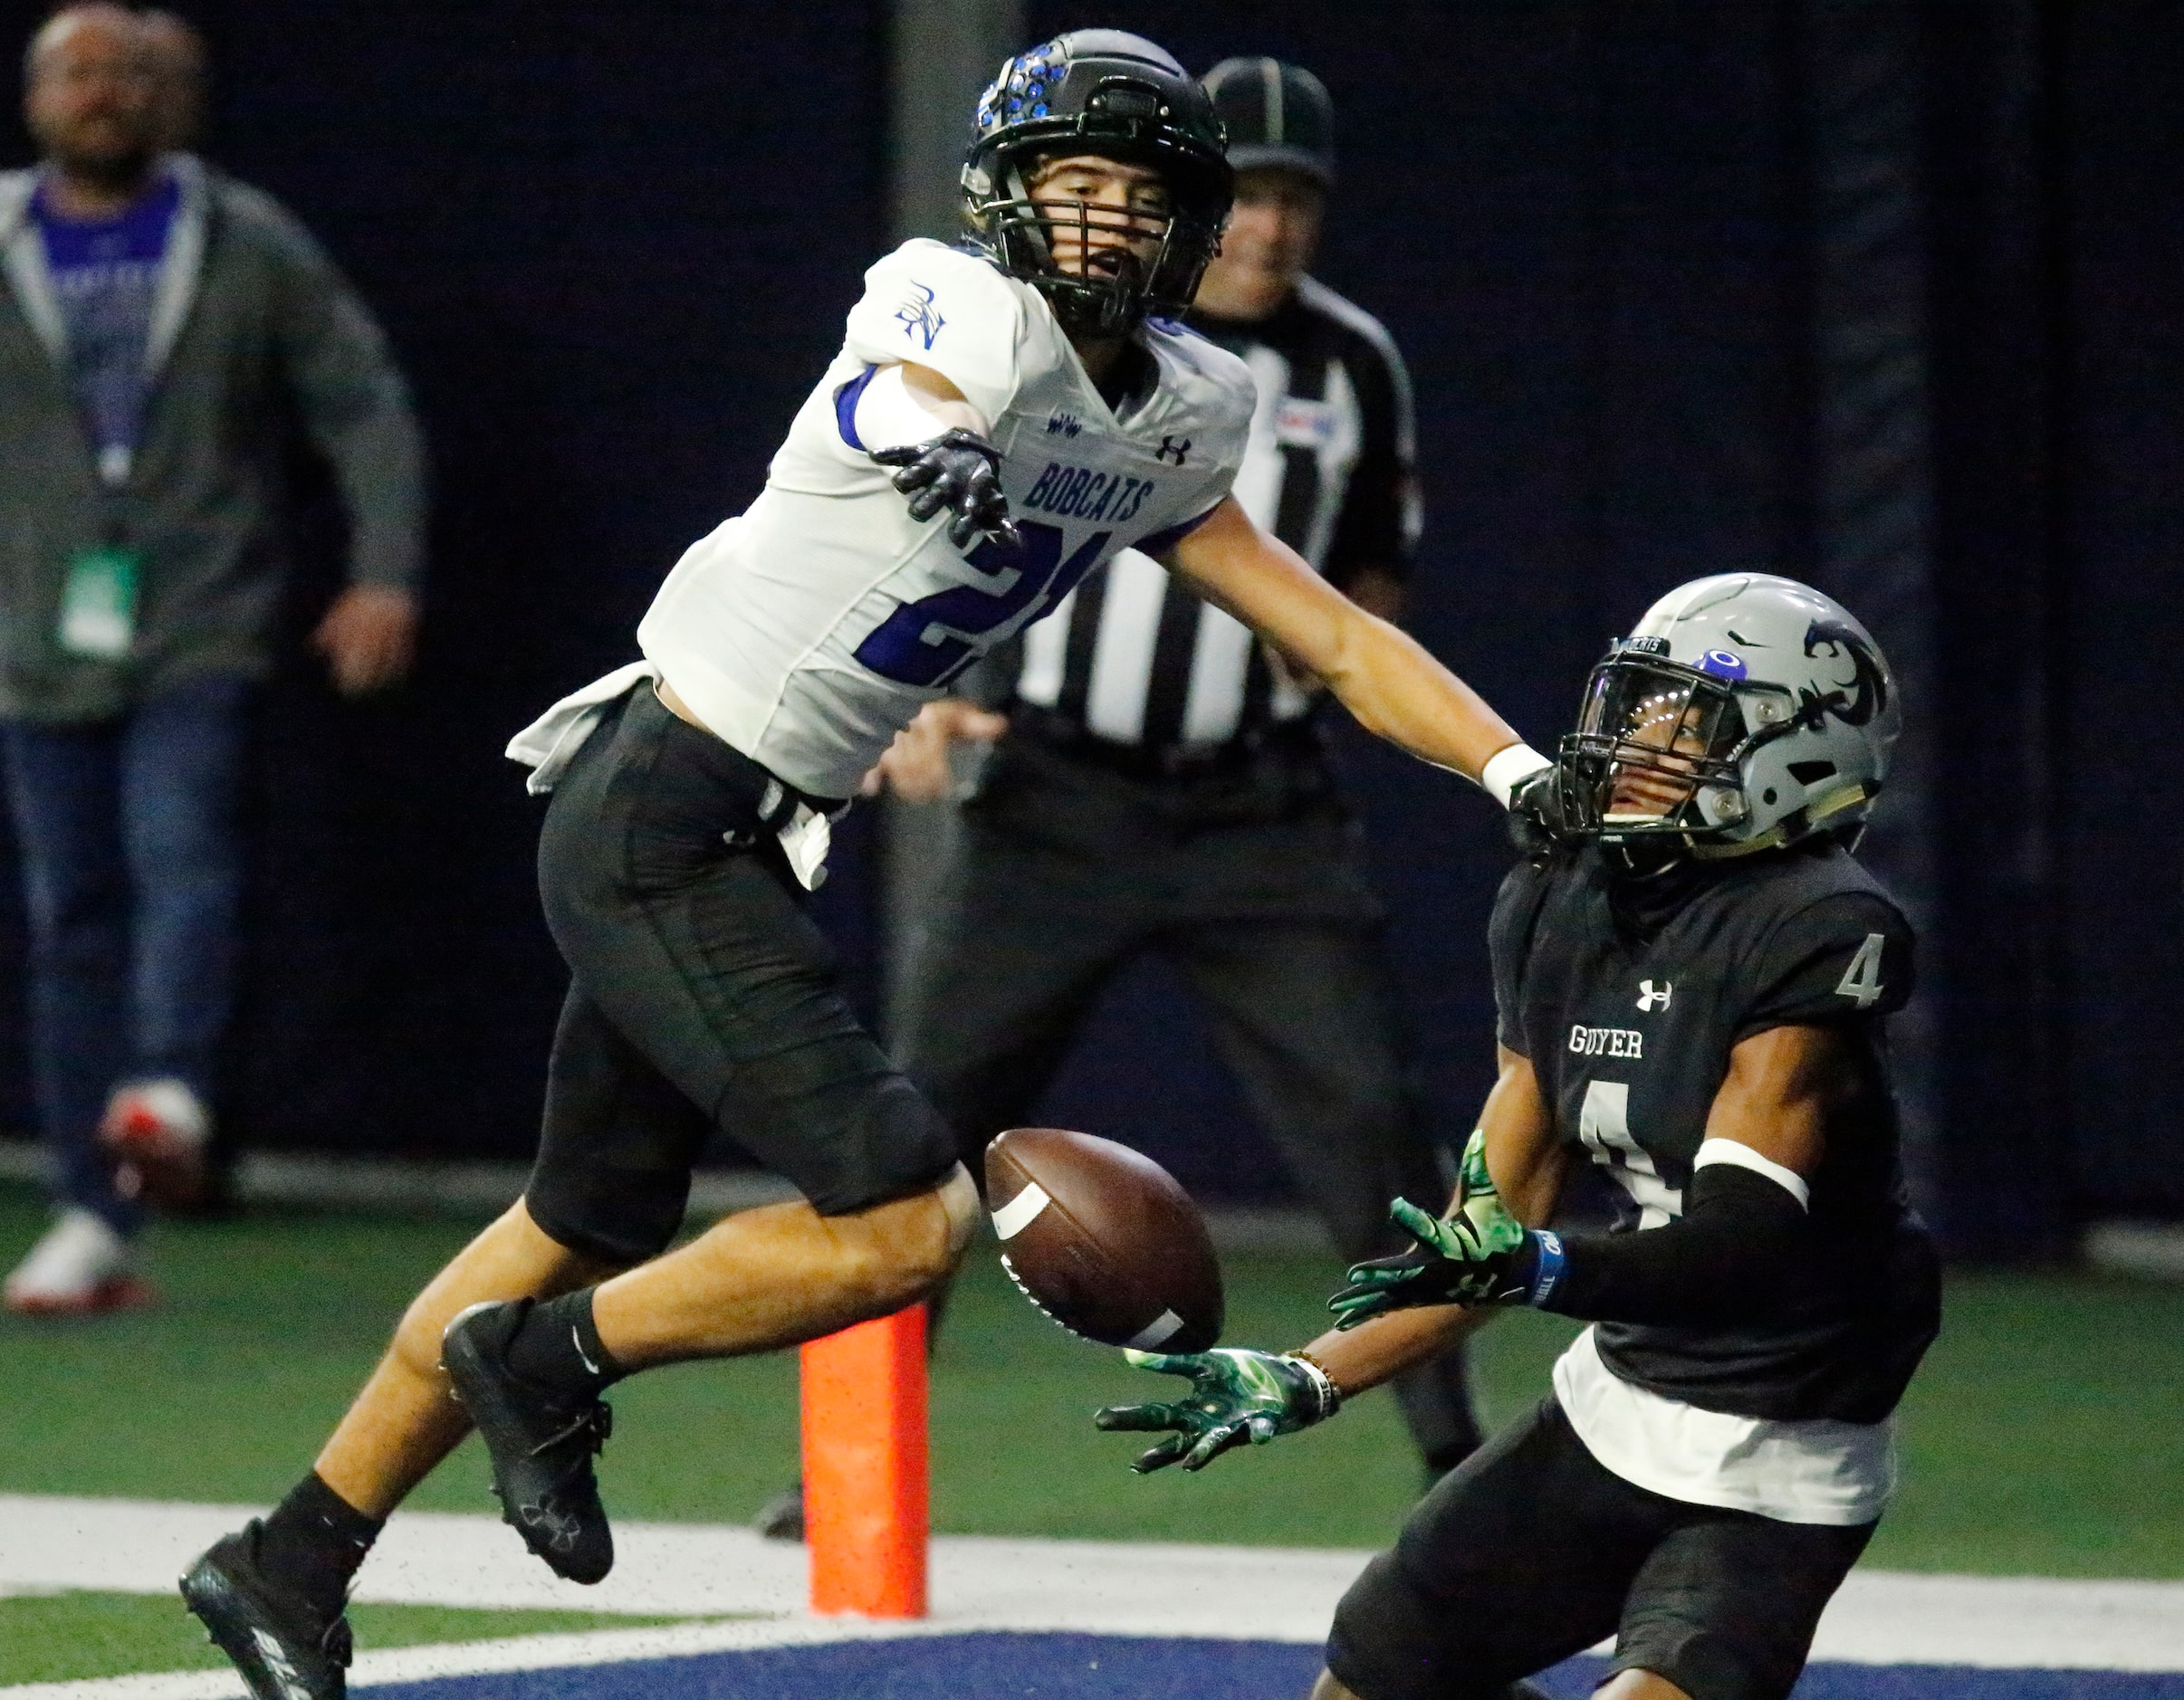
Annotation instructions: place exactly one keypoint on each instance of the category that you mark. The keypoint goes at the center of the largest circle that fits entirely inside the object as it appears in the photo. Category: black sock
(557, 1348)
(315, 1540)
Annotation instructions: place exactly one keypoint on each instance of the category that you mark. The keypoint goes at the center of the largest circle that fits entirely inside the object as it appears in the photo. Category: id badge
(99, 604)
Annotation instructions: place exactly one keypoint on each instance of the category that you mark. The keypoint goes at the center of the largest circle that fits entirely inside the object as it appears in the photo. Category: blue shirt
(106, 273)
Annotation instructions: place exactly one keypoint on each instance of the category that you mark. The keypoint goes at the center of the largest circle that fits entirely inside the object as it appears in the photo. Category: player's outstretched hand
(1472, 1255)
(1536, 820)
(1237, 1397)
(958, 470)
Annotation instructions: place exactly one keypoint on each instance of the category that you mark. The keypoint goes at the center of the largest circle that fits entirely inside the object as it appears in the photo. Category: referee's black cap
(1278, 114)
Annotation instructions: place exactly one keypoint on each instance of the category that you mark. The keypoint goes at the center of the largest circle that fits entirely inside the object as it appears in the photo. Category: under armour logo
(1649, 1000)
(1170, 447)
(560, 1529)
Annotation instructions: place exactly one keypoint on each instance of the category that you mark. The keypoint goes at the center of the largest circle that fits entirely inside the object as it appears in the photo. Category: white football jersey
(807, 631)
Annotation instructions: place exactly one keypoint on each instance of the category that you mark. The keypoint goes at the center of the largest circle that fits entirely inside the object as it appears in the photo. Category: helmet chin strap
(1709, 850)
(1807, 823)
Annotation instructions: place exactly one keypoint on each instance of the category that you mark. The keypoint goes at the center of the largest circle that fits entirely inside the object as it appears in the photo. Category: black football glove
(1537, 822)
(960, 470)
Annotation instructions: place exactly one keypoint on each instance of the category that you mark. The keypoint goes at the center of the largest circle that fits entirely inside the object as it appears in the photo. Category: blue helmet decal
(1722, 663)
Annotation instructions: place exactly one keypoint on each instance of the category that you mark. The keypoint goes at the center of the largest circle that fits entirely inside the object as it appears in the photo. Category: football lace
(1009, 1269)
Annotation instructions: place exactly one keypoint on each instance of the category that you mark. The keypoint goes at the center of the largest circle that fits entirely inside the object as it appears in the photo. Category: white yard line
(1256, 1593)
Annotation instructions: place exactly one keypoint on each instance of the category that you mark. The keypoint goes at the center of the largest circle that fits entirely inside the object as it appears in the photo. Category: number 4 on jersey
(1861, 981)
(1603, 1124)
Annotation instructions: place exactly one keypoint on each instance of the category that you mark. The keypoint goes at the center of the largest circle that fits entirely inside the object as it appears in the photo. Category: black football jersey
(1627, 995)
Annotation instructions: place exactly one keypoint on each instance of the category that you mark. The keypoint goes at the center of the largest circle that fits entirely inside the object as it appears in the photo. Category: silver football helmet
(1745, 711)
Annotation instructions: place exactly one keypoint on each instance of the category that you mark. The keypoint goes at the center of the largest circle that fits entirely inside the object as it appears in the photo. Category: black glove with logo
(960, 470)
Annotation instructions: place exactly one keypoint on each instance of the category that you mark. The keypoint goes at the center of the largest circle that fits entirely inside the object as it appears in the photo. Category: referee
(1159, 781)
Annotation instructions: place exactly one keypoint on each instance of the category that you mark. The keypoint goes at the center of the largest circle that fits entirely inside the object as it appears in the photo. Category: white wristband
(1507, 769)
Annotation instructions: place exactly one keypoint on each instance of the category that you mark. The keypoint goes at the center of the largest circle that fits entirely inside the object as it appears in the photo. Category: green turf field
(2026, 1438)
(68, 1637)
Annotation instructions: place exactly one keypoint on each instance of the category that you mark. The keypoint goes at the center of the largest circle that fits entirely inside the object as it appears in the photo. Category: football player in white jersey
(1033, 390)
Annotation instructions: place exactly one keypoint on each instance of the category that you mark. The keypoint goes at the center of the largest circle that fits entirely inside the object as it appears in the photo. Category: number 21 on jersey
(928, 642)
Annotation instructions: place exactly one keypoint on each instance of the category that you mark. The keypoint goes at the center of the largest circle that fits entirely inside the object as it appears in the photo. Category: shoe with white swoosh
(542, 1444)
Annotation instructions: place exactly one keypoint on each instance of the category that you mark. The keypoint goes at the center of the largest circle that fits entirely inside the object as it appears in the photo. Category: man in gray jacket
(159, 323)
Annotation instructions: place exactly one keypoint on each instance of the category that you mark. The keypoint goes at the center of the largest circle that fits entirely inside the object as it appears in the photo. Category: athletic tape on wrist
(1508, 768)
(1546, 1276)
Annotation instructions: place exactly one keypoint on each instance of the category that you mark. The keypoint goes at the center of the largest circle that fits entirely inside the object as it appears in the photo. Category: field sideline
(2025, 1439)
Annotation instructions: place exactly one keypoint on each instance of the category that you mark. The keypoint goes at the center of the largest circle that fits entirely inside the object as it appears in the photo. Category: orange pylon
(865, 1492)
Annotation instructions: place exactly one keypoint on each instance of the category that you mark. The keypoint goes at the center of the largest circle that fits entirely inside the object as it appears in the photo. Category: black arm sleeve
(1730, 1257)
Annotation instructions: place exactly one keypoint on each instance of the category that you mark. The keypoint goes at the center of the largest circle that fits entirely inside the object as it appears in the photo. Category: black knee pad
(615, 1218)
(1392, 1641)
(892, 1145)
(1708, 1664)
(1386, 1644)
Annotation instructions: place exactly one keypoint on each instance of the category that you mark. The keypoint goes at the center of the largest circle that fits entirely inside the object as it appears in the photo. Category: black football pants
(1252, 885)
(1535, 1550)
(701, 996)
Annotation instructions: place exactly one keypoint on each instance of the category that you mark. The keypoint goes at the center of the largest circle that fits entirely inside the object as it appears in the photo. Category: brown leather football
(1102, 1239)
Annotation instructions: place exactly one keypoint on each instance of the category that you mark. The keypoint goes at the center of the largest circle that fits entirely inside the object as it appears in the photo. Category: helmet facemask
(1746, 712)
(1659, 750)
(1067, 249)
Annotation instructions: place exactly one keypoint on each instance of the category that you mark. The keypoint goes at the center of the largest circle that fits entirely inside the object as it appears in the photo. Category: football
(1103, 1240)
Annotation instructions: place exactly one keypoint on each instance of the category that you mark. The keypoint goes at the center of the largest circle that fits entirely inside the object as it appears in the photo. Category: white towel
(549, 744)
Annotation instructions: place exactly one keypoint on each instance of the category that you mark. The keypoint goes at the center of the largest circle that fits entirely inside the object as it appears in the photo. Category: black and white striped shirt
(1133, 658)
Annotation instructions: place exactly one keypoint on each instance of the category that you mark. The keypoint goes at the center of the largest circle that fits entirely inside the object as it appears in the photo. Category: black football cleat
(286, 1647)
(541, 1444)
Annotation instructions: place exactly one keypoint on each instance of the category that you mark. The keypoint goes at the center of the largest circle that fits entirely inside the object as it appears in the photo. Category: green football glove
(1478, 1253)
(1237, 1397)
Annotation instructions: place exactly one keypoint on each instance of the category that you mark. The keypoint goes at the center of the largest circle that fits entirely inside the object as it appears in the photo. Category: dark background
(613, 247)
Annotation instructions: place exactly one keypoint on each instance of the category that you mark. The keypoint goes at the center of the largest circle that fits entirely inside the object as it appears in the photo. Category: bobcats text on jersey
(1083, 492)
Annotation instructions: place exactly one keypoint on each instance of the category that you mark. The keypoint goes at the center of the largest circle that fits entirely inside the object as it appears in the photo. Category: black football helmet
(1117, 95)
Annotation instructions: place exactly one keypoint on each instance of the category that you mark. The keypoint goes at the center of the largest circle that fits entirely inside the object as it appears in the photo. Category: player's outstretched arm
(1240, 1397)
(916, 421)
(1385, 678)
(1741, 1235)
(1479, 1250)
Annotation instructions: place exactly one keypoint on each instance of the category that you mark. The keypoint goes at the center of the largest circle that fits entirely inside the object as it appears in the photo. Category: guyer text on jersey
(1608, 1042)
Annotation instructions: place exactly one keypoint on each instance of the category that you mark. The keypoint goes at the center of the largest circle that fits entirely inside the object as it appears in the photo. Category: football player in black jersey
(1691, 988)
